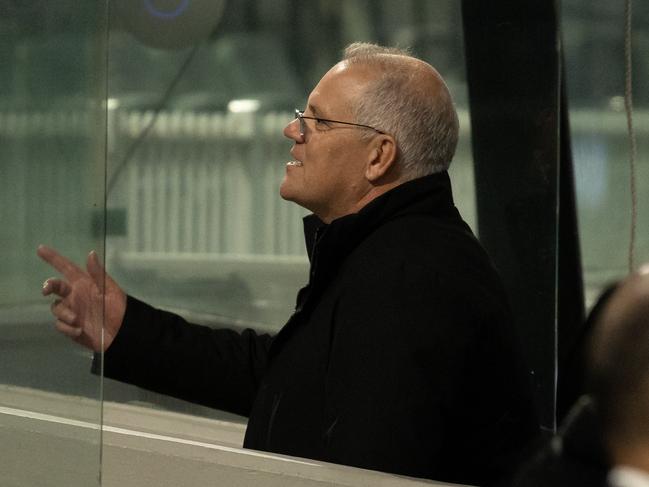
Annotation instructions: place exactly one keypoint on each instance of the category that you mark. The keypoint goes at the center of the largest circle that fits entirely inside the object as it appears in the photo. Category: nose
(292, 131)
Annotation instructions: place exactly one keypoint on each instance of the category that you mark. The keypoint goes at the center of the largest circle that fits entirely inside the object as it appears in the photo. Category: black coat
(399, 356)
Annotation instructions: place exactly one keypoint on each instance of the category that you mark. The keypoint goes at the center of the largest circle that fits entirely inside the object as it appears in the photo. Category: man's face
(329, 177)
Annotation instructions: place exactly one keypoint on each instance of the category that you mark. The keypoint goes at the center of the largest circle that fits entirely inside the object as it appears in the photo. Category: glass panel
(52, 127)
(196, 151)
(593, 34)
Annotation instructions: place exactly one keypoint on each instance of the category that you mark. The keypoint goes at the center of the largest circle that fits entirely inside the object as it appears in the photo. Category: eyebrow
(314, 110)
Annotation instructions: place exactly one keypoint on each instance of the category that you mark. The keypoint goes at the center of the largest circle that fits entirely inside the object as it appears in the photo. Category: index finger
(62, 264)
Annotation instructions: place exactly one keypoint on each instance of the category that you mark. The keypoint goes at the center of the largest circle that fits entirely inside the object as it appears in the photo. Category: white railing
(205, 183)
(198, 183)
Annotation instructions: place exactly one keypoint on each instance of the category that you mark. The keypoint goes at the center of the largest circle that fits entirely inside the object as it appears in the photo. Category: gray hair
(425, 128)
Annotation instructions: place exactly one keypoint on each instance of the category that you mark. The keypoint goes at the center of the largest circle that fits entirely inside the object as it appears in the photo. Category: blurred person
(620, 380)
(604, 441)
(400, 355)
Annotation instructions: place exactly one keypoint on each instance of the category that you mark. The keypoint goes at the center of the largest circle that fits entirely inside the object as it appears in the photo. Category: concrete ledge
(51, 439)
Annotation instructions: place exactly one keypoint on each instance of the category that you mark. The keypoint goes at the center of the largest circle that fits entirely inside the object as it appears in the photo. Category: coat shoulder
(425, 248)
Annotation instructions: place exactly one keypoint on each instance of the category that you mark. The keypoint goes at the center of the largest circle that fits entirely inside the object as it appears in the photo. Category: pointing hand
(87, 300)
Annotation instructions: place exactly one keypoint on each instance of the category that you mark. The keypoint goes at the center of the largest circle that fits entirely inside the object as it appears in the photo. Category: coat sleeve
(418, 378)
(160, 351)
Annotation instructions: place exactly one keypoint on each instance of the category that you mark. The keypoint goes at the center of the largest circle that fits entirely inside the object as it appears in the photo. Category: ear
(382, 157)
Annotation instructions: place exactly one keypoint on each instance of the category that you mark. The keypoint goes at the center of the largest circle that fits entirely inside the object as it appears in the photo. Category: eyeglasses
(299, 115)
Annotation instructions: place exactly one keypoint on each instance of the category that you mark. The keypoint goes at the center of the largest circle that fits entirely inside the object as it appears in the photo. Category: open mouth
(294, 163)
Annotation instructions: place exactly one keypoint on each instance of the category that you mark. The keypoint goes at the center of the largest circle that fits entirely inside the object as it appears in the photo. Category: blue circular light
(153, 10)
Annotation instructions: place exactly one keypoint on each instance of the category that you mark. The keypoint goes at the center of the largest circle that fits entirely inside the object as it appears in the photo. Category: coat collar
(429, 195)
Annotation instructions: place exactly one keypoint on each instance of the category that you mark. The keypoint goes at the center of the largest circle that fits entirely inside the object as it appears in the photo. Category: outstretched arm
(155, 349)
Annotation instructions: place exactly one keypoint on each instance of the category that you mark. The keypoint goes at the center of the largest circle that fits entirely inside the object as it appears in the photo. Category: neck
(370, 195)
(373, 193)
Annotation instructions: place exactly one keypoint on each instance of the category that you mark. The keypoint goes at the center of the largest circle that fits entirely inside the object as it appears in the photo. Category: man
(400, 353)
(620, 376)
(604, 441)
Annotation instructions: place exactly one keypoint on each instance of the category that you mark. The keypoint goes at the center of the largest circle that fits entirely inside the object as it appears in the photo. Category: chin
(286, 192)
(291, 194)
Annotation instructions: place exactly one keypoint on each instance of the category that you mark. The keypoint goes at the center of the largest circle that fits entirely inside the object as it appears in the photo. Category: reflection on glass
(51, 191)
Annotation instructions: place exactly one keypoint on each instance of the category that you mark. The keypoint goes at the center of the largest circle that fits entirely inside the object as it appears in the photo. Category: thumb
(95, 269)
